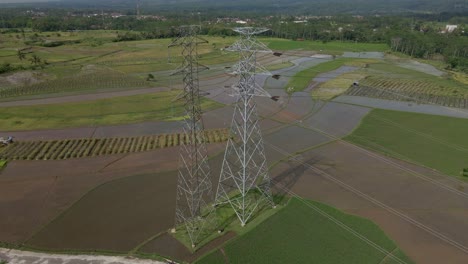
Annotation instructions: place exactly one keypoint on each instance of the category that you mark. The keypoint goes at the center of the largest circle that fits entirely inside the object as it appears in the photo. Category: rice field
(433, 141)
(302, 234)
(92, 147)
(411, 90)
(91, 80)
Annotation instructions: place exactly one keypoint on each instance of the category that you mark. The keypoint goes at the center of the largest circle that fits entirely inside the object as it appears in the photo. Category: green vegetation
(89, 80)
(302, 235)
(279, 66)
(302, 79)
(119, 110)
(337, 86)
(226, 219)
(386, 80)
(80, 65)
(437, 142)
(3, 163)
(333, 47)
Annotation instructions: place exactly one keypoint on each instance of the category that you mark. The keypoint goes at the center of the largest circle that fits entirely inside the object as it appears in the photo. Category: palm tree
(35, 59)
(21, 55)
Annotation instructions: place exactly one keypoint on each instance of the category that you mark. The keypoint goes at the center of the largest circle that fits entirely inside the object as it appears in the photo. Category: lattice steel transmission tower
(194, 187)
(244, 182)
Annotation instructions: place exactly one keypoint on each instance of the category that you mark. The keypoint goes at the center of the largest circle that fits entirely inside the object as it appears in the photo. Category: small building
(450, 28)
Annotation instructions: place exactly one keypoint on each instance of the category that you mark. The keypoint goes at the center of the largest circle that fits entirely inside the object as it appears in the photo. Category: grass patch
(337, 86)
(302, 79)
(225, 218)
(91, 79)
(121, 110)
(460, 77)
(3, 164)
(437, 142)
(279, 66)
(298, 234)
(333, 47)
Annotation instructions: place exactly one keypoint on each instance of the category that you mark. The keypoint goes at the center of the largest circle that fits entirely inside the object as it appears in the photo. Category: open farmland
(437, 142)
(303, 235)
(114, 217)
(89, 61)
(88, 80)
(386, 80)
(81, 185)
(302, 79)
(120, 110)
(412, 90)
(91, 147)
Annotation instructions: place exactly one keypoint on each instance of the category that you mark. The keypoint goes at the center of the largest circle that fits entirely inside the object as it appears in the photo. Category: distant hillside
(314, 7)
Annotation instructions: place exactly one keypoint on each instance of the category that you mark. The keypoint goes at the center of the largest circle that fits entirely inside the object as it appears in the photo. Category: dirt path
(82, 97)
(226, 260)
(26, 257)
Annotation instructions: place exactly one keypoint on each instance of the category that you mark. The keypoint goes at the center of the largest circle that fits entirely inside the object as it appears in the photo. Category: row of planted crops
(411, 90)
(92, 147)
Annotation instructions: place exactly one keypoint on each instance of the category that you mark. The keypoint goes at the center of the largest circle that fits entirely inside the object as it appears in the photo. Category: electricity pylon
(194, 187)
(244, 182)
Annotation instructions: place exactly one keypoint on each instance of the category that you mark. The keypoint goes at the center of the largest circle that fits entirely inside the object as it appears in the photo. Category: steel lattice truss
(194, 187)
(244, 182)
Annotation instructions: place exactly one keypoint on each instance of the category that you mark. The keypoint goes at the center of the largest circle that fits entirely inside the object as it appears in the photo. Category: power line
(376, 202)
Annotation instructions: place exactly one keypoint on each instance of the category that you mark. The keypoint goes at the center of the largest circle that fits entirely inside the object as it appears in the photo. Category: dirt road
(23, 257)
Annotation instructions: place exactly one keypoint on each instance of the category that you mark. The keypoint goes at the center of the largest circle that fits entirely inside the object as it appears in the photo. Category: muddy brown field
(438, 215)
(35, 192)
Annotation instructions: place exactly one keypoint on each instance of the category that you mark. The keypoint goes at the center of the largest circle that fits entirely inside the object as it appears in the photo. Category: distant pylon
(138, 8)
(194, 187)
(244, 181)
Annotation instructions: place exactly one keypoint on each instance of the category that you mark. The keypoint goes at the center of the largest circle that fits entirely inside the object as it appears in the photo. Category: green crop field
(3, 163)
(87, 80)
(302, 79)
(334, 47)
(437, 142)
(120, 110)
(90, 60)
(299, 234)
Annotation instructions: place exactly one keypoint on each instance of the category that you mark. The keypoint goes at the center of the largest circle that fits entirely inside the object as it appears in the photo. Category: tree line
(417, 35)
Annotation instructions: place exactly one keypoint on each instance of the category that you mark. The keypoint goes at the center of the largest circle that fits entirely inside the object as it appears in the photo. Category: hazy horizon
(24, 1)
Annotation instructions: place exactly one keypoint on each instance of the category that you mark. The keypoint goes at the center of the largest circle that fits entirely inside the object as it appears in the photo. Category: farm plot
(88, 80)
(437, 142)
(159, 106)
(302, 234)
(116, 216)
(91, 147)
(411, 90)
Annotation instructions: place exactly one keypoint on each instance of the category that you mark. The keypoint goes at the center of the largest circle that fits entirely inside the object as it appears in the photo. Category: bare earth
(25, 257)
